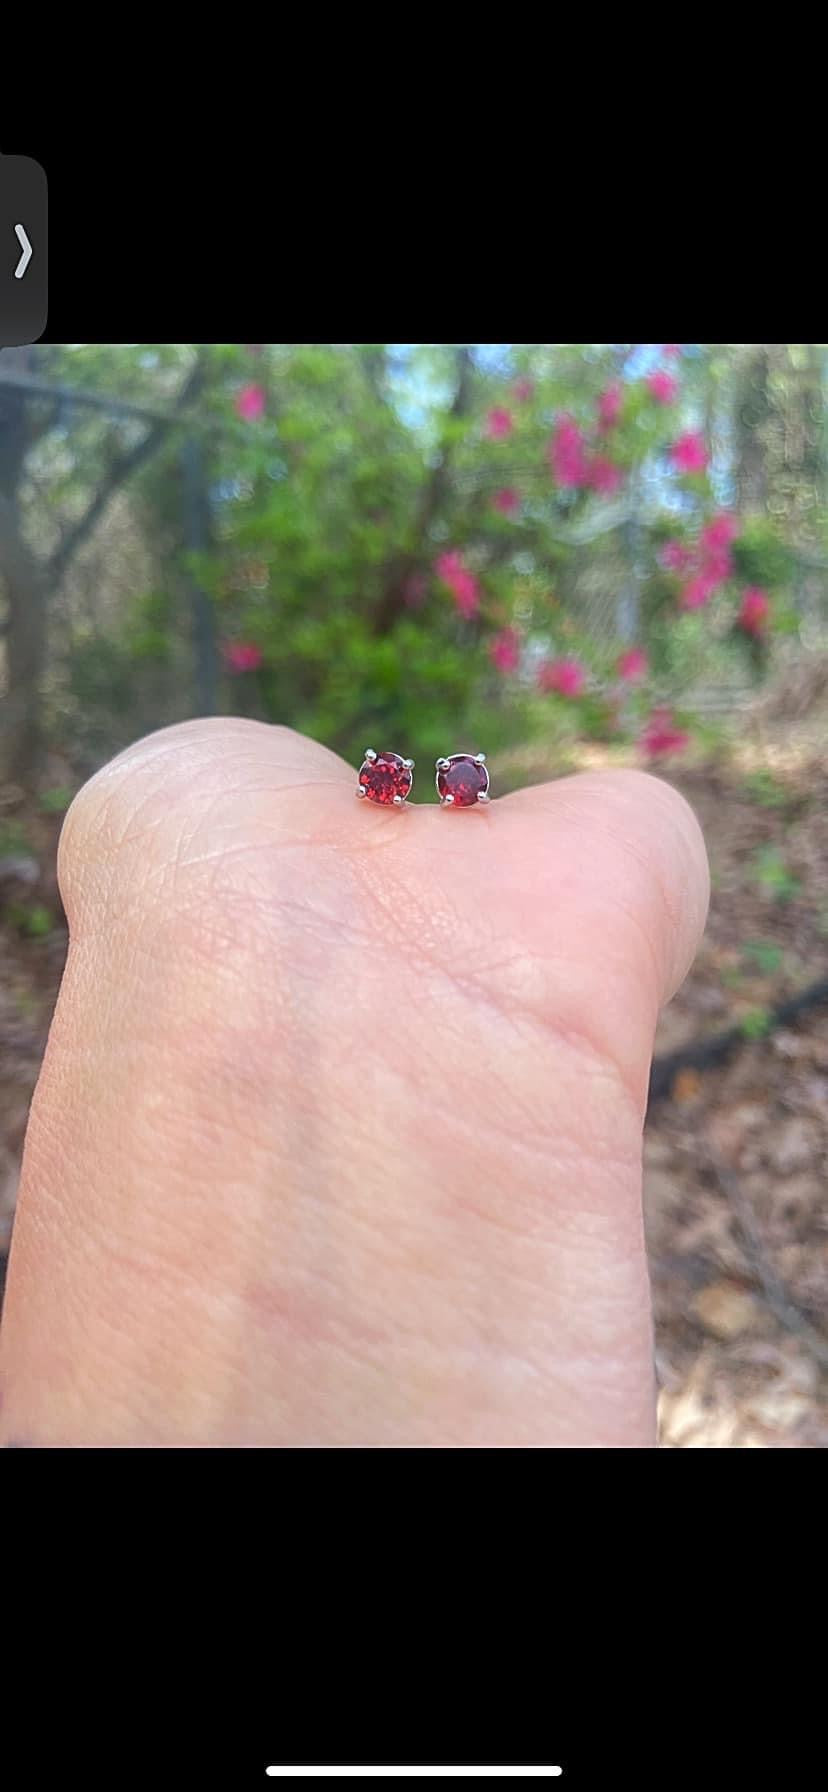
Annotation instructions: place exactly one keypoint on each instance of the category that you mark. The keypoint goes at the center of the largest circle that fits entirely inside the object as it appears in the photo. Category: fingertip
(634, 838)
(169, 782)
(658, 824)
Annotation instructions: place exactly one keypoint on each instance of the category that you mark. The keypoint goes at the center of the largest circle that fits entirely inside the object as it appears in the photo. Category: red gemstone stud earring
(462, 780)
(385, 778)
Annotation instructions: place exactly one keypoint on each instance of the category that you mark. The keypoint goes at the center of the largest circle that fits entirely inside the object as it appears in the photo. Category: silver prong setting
(370, 755)
(442, 765)
(483, 796)
(361, 792)
(480, 759)
(446, 802)
(409, 765)
(398, 802)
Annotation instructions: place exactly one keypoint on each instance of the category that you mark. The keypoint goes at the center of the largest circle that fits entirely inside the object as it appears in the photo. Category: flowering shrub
(416, 580)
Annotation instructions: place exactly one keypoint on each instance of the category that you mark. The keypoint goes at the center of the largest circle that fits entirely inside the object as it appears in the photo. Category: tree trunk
(198, 537)
(24, 590)
(410, 559)
(25, 640)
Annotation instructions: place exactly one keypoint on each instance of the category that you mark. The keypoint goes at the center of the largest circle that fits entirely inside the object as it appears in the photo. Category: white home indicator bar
(414, 1773)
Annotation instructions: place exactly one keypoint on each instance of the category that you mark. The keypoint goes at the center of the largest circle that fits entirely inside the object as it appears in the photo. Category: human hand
(338, 1135)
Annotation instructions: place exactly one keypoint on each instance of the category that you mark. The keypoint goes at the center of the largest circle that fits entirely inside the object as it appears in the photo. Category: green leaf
(765, 789)
(55, 800)
(764, 954)
(769, 870)
(33, 920)
(756, 1023)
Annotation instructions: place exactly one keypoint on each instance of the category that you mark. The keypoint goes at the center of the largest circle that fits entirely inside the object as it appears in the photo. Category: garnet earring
(385, 778)
(462, 780)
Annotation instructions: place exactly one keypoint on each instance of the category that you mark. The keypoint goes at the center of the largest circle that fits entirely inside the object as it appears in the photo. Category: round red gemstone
(463, 779)
(385, 778)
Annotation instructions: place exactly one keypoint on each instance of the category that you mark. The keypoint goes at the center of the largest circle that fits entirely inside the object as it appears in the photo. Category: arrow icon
(27, 251)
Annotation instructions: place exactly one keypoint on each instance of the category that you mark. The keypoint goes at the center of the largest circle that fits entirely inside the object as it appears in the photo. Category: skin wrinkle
(396, 1323)
(165, 1302)
(500, 1015)
(634, 1087)
(205, 898)
(553, 1030)
(526, 1145)
(97, 827)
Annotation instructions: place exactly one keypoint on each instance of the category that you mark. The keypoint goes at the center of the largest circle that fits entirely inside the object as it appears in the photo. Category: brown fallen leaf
(726, 1310)
(686, 1087)
(728, 1128)
(795, 1146)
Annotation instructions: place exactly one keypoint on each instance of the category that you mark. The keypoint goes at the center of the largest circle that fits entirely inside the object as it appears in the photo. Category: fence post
(628, 616)
(198, 534)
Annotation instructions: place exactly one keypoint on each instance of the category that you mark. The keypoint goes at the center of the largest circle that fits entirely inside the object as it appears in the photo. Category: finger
(216, 1205)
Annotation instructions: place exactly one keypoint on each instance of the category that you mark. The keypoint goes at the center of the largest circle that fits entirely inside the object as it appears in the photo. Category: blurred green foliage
(764, 954)
(13, 839)
(766, 790)
(55, 800)
(756, 1023)
(770, 872)
(33, 920)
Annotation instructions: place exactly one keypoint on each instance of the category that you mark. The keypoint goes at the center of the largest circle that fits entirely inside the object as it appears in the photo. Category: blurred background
(566, 554)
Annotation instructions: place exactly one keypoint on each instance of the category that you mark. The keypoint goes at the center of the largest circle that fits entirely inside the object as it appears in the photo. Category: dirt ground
(735, 1158)
(735, 1155)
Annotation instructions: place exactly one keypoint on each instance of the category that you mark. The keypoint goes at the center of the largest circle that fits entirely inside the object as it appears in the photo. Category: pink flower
(609, 405)
(242, 656)
(564, 676)
(720, 532)
(662, 736)
(603, 475)
(523, 390)
(753, 611)
(633, 665)
(448, 565)
(671, 348)
(466, 594)
(567, 457)
(508, 501)
(662, 387)
(461, 583)
(250, 403)
(697, 592)
(689, 454)
(504, 650)
(718, 566)
(499, 424)
(675, 557)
